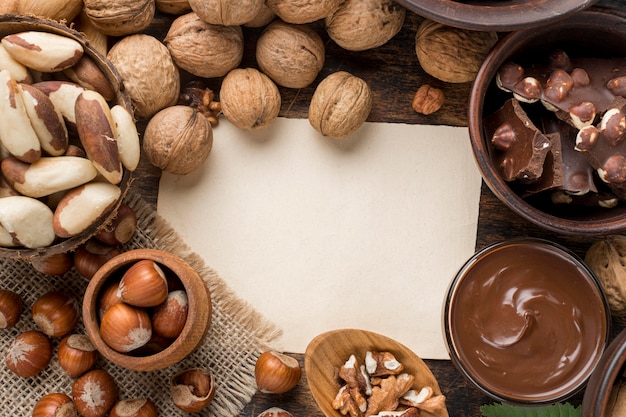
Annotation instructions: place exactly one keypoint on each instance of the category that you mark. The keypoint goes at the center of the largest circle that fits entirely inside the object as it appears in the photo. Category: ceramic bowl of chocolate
(526, 322)
(547, 123)
(499, 15)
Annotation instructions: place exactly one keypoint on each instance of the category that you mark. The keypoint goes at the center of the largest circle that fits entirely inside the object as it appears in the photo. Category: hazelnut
(108, 296)
(11, 305)
(55, 264)
(120, 17)
(291, 55)
(275, 412)
(249, 98)
(55, 313)
(125, 328)
(143, 284)
(169, 318)
(427, 99)
(29, 353)
(135, 407)
(56, 404)
(617, 86)
(359, 25)
(90, 256)
(192, 389)
(226, 12)
(121, 229)
(94, 393)
(150, 76)
(340, 105)
(299, 12)
(204, 49)
(178, 140)
(76, 354)
(451, 54)
(276, 373)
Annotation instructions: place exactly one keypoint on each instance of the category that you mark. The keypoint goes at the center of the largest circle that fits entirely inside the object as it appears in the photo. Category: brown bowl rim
(496, 16)
(514, 43)
(13, 23)
(196, 327)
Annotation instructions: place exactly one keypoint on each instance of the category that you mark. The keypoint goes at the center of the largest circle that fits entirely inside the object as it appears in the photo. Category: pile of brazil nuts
(64, 147)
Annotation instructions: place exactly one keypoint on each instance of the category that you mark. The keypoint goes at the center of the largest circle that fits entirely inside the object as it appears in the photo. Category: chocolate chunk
(519, 147)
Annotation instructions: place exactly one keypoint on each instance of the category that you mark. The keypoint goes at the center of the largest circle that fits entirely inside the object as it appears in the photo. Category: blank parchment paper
(317, 234)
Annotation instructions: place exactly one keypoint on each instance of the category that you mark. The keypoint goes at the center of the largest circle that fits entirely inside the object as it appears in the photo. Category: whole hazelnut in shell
(299, 11)
(226, 12)
(607, 259)
(120, 17)
(358, 25)
(150, 76)
(249, 98)
(178, 139)
(340, 105)
(204, 49)
(291, 55)
(452, 54)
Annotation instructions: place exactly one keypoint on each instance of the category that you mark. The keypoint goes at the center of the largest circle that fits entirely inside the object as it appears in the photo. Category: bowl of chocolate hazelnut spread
(547, 123)
(526, 321)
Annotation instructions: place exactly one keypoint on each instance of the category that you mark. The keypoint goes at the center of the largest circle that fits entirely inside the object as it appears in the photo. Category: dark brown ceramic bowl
(498, 15)
(587, 34)
(608, 371)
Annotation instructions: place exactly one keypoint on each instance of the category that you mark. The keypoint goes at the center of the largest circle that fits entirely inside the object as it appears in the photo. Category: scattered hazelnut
(192, 389)
(275, 412)
(276, 373)
(136, 407)
(125, 328)
(76, 354)
(91, 255)
(11, 305)
(29, 353)
(56, 264)
(56, 404)
(427, 99)
(55, 313)
(169, 318)
(94, 393)
(143, 284)
(121, 229)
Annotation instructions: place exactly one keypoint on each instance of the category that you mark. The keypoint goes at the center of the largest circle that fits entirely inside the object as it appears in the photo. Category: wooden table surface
(394, 74)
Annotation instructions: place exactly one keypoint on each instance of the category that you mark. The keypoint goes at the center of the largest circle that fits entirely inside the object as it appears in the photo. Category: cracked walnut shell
(607, 259)
(451, 54)
(340, 105)
(204, 49)
(358, 25)
(249, 98)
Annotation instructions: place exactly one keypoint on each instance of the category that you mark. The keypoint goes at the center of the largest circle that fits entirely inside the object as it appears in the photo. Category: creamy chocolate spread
(527, 323)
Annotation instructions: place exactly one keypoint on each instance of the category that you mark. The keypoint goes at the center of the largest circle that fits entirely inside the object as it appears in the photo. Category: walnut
(56, 10)
(291, 55)
(120, 17)
(358, 25)
(263, 18)
(175, 7)
(226, 12)
(607, 259)
(150, 76)
(340, 105)
(302, 11)
(178, 139)
(427, 99)
(202, 48)
(451, 54)
(249, 98)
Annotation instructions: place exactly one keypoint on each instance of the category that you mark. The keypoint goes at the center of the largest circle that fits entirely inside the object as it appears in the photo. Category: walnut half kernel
(380, 388)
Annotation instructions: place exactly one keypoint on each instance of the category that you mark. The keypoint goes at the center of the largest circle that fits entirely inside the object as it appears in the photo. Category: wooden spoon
(328, 351)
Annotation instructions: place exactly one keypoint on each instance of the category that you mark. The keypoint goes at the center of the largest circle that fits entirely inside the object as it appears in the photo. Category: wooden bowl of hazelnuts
(146, 309)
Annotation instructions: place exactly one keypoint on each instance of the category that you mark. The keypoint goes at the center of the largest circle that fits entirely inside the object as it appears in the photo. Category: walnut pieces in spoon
(379, 387)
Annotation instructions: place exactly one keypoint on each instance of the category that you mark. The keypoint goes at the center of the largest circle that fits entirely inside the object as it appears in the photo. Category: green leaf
(508, 410)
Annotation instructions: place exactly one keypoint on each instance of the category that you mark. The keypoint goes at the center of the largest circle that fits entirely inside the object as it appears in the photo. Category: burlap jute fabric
(238, 334)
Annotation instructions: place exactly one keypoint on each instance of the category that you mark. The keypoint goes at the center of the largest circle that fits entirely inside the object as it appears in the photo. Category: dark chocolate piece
(519, 147)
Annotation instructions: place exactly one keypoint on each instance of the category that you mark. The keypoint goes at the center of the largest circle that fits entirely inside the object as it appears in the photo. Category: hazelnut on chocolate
(528, 90)
(613, 125)
(617, 86)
